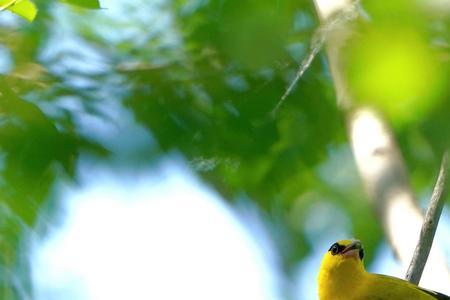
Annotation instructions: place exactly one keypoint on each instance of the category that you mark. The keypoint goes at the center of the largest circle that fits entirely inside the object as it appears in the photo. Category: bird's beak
(353, 249)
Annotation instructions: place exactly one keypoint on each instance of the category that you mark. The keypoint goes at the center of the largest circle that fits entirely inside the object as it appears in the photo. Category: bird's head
(342, 269)
(344, 257)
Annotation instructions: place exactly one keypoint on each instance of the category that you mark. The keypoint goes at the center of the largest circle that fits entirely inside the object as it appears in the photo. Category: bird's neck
(336, 283)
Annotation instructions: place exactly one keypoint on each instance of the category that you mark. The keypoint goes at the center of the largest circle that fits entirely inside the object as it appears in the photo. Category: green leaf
(4, 4)
(393, 80)
(24, 8)
(92, 4)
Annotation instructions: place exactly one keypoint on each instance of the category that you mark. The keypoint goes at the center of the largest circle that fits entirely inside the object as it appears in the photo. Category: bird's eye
(334, 249)
(361, 254)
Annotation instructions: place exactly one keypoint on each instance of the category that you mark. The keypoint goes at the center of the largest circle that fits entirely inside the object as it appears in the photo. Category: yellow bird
(342, 277)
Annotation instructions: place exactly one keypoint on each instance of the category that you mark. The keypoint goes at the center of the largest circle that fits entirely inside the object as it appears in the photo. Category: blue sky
(160, 234)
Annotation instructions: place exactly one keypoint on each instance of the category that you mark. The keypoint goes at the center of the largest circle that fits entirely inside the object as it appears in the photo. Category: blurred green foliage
(396, 66)
(205, 85)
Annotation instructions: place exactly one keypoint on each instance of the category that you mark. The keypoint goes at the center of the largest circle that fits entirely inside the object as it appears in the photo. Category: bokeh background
(141, 159)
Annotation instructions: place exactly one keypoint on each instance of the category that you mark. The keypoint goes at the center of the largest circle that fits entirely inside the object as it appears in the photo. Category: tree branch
(430, 224)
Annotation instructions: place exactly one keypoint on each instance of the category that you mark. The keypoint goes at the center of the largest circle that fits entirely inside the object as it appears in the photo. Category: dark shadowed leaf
(91, 4)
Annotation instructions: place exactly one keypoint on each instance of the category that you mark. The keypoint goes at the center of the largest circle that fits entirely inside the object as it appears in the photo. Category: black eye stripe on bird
(337, 248)
(361, 253)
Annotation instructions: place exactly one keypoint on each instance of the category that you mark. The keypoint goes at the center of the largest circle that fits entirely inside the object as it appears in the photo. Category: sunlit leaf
(396, 70)
(92, 4)
(4, 4)
(24, 8)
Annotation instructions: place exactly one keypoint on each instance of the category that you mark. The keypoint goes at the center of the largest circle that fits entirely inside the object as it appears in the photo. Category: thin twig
(429, 226)
(345, 15)
(314, 49)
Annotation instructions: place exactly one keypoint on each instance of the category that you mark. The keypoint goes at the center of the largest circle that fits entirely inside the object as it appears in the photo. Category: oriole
(342, 277)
